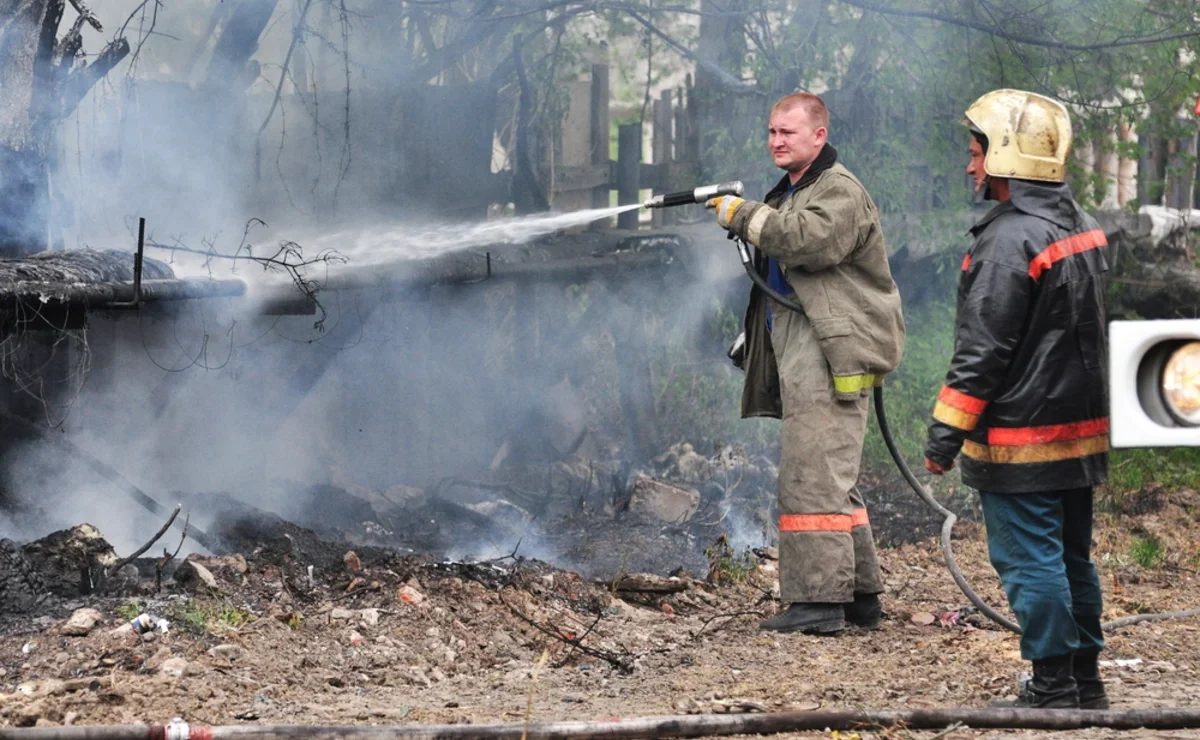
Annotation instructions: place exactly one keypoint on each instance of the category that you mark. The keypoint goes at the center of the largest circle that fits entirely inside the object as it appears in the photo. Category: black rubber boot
(1087, 677)
(812, 619)
(865, 612)
(1052, 687)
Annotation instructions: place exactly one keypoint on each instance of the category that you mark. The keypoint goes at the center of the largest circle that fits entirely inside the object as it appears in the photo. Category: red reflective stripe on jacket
(961, 401)
(1051, 433)
(858, 518)
(1064, 248)
(815, 522)
(966, 262)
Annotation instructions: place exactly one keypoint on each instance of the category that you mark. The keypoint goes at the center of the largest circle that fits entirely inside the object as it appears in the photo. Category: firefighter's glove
(726, 207)
(937, 469)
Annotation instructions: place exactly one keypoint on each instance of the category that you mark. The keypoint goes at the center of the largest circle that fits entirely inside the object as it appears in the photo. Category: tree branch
(82, 80)
(728, 81)
(297, 34)
(86, 14)
(116, 568)
(1031, 41)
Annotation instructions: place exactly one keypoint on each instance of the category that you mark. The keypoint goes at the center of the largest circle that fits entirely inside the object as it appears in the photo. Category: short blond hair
(818, 114)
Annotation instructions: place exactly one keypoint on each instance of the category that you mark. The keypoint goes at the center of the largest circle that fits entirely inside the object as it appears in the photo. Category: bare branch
(86, 14)
(297, 34)
(157, 536)
(1020, 39)
(287, 258)
(730, 82)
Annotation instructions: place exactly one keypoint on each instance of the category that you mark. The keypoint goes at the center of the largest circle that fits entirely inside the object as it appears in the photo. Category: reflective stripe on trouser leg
(821, 443)
(868, 579)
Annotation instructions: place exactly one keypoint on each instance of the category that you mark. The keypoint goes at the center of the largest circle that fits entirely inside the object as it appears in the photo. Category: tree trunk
(231, 64)
(26, 121)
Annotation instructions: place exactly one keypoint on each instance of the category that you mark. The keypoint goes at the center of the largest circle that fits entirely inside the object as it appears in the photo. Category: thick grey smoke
(400, 388)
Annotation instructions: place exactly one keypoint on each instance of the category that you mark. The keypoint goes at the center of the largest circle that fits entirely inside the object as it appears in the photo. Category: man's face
(975, 166)
(793, 141)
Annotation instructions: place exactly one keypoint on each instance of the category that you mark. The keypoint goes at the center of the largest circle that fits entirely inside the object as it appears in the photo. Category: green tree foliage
(897, 78)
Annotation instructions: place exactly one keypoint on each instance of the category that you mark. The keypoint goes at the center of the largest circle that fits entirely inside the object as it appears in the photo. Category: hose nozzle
(699, 195)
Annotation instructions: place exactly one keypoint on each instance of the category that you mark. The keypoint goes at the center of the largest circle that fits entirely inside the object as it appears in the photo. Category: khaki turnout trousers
(826, 550)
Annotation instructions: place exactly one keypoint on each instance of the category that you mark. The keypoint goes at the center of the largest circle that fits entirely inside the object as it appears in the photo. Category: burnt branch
(116, 568)
(169, 556)
(623, 662)
(86, 14)
(82, 80)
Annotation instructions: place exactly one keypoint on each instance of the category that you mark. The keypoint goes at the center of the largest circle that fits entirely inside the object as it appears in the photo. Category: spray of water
(385, 244)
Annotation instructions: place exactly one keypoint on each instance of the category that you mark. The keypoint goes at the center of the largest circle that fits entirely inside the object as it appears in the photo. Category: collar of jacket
(1051, 201)
(826, 158)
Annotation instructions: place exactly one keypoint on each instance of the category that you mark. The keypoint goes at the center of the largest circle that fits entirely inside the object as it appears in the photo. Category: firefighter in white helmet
(1024, 405)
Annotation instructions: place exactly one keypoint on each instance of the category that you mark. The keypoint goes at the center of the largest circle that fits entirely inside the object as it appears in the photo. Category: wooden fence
(584, 173)
(1165, 175)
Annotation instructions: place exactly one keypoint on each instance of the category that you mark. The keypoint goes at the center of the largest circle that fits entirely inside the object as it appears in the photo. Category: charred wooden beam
(107, 295)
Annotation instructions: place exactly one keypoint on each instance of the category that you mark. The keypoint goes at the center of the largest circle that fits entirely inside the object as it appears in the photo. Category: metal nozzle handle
(706, 192)
(699, 195)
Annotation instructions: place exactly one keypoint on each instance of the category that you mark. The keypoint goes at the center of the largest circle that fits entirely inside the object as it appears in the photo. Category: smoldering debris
(601, 519)
(63, 564)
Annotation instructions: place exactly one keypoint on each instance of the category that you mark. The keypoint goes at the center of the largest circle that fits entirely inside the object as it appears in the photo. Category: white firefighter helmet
(1029, 135)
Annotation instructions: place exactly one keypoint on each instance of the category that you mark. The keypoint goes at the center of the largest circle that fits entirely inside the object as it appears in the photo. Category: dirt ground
(385, 639)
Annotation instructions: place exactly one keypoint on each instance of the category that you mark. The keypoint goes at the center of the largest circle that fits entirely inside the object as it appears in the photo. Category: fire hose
(949, 518)
(645, 728)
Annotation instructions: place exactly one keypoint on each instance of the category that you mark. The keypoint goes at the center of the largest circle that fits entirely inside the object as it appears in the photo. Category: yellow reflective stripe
(757, 221)
(856, 383)
(1065, 449)
(947, 414)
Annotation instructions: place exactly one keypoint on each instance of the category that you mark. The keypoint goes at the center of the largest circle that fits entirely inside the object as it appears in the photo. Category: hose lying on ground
(648, 728)
(948, 517)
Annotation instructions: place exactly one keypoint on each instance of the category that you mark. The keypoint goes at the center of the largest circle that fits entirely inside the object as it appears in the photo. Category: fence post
(629, 160)
(663, 151)
(600, 123)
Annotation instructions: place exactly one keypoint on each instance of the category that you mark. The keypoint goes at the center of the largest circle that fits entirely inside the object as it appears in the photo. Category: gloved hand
(725, 206)
(936, 469)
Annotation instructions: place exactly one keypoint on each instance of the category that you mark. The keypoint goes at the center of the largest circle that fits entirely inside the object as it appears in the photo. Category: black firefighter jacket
(1025, 400)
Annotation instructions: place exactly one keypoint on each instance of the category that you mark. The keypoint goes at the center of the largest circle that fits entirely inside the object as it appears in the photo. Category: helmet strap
(984, 192)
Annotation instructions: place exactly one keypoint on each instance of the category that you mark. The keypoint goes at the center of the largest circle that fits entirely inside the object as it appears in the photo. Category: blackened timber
(635, 254)
(105, 295)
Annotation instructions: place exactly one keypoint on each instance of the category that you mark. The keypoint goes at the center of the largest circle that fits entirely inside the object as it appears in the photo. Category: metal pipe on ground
(649, 728)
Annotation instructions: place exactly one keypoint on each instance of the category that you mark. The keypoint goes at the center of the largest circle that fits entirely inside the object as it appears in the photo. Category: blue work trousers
(1040, 545)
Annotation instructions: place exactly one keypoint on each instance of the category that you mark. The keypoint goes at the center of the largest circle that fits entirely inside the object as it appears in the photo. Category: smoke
(403, 386)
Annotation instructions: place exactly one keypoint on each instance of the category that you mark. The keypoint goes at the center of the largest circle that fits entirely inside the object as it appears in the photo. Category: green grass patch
(129, 610)
(210, 617)
(1134, 469)
(1146, 551)
(727, 566)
